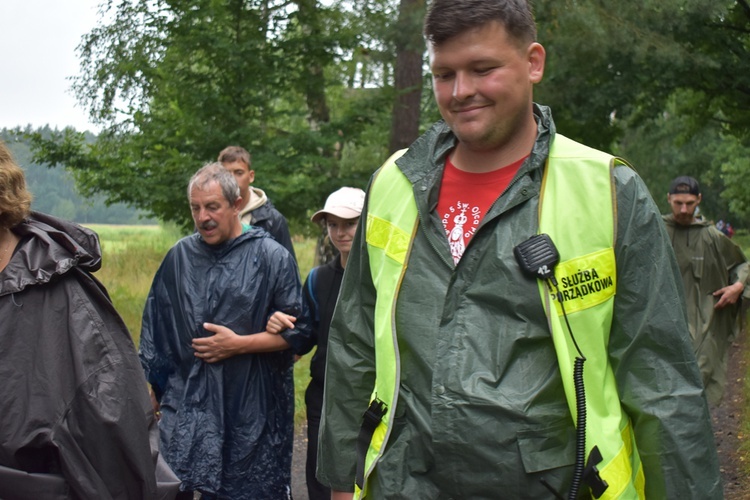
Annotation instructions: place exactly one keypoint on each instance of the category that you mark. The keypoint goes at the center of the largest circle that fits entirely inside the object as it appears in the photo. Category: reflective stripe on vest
(388, 244)
(584, 235)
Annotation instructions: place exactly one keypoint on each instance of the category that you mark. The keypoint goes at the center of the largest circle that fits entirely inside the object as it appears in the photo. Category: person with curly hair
(76, 420)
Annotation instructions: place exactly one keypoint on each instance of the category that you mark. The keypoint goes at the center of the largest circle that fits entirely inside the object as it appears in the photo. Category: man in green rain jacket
(481, 410)
(714, 271)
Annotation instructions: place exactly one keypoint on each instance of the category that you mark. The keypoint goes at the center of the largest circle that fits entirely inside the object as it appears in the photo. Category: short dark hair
(448, 18)
(685, 184)
(231, 154)
(15, 198)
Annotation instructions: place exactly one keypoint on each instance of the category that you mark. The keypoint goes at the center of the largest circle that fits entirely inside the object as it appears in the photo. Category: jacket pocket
(696, 262)
(547, 448)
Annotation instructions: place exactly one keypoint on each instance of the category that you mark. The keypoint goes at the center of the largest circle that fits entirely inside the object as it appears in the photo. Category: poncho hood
(54, 248)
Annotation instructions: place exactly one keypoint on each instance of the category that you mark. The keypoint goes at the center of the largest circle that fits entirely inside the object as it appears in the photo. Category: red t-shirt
(464, 199)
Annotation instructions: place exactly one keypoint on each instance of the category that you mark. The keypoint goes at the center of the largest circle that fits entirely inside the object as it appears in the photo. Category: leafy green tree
(672, 71)
(173, 82)
(661, 149)
(54, 189)
(612, 65)
(315, 92)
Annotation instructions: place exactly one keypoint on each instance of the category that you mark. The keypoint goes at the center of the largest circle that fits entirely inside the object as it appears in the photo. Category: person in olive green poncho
(714, 271)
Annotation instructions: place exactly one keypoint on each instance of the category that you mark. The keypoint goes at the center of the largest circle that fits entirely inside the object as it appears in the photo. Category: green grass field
(131, 256)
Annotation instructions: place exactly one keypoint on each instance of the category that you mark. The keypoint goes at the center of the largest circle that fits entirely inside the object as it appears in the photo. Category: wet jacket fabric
(264, 215)
(708, 261)
(76, 421)
(226, 427)
(481, 410)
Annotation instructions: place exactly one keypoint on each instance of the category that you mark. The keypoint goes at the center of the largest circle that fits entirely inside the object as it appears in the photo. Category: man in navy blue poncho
(223, 384)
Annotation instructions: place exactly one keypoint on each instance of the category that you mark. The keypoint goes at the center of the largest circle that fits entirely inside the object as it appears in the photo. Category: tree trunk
(316, 55)
(408, 84)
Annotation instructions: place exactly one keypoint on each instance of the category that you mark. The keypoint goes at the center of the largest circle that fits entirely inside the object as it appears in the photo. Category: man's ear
(536, 55)
(252, 178)
(700, 197)
(238, 204)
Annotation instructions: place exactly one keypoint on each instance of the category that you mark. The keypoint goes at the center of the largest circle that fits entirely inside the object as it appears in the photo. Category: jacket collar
(699, 221)
(257, 199)
(49, 247)
(435, 144)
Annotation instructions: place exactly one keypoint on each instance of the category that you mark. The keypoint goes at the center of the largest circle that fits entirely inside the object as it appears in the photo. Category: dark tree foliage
(615, 64)
(321, 93)
(666, 82)
(54, 190)
(173, 82)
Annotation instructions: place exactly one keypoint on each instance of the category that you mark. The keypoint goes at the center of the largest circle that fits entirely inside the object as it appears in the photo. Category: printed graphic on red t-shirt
(464, 199)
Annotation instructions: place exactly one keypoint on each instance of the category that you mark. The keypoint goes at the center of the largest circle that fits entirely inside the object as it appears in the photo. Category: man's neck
(236, 231)
(478, 161)
(486, 161)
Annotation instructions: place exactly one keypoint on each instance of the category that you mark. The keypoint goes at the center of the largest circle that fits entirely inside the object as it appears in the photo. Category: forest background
(321, 92)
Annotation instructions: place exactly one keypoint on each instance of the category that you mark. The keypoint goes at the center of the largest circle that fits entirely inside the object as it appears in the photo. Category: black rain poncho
(227, 428)
(75, 417)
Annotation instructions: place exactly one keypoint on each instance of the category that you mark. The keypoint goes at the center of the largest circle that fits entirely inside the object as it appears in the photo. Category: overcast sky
(38, 39)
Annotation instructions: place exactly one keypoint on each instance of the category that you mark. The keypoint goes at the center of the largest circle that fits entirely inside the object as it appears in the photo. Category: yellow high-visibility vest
(578, 211)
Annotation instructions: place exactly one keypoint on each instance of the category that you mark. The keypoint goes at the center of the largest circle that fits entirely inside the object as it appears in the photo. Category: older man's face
(215, 218)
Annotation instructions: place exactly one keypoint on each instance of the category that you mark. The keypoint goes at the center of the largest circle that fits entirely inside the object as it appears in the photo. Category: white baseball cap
(346, 203)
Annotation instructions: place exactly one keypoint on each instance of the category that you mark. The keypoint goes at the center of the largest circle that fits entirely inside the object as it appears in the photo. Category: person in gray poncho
(714, 272)
(75, 417)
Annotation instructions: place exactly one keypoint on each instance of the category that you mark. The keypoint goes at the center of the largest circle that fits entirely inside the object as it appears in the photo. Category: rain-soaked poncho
(227, 427)
(481, 411)
(75, 417)
(708, 261)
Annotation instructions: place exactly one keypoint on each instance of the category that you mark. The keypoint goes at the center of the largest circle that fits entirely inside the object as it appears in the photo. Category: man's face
(244, 176)
(683, 207)
(341, 231)
(483, 85)
(215, 218)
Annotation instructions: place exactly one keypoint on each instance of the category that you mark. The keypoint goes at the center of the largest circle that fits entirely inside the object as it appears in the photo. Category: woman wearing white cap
(340, 216)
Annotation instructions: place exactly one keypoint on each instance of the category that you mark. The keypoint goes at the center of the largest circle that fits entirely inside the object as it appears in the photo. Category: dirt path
(726, 422)
(299, 488)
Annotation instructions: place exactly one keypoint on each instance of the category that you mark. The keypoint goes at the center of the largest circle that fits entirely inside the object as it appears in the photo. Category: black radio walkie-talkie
(537, 258)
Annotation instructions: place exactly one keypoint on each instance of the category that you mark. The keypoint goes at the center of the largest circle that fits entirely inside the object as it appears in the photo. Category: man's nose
(203, 214)
(463, 86)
